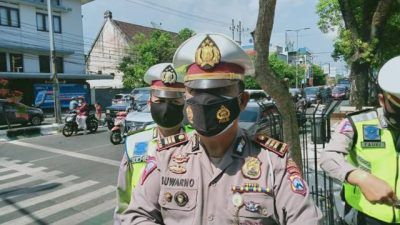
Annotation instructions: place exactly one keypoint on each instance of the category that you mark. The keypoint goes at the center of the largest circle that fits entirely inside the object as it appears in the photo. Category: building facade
(25, 45)
(110, 47)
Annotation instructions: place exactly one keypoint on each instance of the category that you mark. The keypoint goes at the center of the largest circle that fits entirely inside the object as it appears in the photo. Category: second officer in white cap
(364, 155)
(166, 106)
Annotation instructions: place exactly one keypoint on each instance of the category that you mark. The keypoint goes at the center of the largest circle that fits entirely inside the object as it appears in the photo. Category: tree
(281, 69)
(318, 75)
(144, 52)
(270, 82)
(368, 36)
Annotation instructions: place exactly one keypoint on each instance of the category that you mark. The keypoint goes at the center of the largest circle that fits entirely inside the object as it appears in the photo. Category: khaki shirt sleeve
(143, 207)
(124, 189)
(332, 159)
(293, 208)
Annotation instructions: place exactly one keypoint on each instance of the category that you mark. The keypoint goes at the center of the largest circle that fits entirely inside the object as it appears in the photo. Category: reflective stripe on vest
(381, 162)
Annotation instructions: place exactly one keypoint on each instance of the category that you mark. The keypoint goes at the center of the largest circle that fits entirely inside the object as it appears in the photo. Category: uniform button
(210, 218)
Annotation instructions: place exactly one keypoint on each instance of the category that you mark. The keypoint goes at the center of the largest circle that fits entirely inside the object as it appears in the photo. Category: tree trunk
(359, 88)
(270, 83)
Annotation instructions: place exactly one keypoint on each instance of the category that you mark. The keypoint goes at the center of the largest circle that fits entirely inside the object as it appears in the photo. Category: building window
(53, 2)
(9, 17)
(45, 64)
(42, 23)
(16, 62)
(3, 62)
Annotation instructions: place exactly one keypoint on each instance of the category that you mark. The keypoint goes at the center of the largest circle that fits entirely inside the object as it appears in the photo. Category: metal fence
(315, 131)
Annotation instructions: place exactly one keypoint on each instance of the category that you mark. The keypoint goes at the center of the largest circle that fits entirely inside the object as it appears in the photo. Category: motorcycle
(71, 126)
(119, 131)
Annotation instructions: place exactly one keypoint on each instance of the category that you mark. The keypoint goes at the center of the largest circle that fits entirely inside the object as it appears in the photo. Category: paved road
(58, 180)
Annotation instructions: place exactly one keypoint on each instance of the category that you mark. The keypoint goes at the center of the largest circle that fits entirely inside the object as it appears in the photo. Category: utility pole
(232, 28)
(240, 29)
(54, 78)
(297, 49)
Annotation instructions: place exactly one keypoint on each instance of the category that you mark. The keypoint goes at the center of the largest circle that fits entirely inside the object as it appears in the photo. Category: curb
(6, 135)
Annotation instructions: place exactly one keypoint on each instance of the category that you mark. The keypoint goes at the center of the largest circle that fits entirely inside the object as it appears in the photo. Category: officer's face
(176, 101)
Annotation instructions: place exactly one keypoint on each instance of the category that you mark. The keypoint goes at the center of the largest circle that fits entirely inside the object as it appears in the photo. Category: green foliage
(319, 78)
(251, 83)
(144, 52)
(360, 48)
(283, 70)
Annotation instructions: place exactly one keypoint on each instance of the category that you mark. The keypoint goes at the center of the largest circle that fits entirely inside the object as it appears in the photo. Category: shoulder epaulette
(171, 141)
(271, 144)
(362, 115)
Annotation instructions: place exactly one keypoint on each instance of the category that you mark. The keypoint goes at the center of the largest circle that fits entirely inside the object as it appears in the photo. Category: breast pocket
(177, 205)
(256, 209)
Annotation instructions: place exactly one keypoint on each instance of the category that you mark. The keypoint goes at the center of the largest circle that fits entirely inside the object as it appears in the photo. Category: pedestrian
(364, 154)
(98, 110)
(221, 175)
(166, 106)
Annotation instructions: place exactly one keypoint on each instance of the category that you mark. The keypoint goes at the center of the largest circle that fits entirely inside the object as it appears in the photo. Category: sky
(216, 16)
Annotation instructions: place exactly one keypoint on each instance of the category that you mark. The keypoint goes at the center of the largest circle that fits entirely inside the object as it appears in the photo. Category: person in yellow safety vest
(166, 106)
(364, 155)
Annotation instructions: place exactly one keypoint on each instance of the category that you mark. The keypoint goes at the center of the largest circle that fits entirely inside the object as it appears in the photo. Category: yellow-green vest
(381, 162)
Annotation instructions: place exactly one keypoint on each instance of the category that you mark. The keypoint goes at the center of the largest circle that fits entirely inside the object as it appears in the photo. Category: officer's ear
(381, 100)
(243, 100)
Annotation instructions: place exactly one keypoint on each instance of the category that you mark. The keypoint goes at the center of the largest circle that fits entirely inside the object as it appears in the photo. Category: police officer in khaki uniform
(364, 155)
(222, 175)
(166, 106)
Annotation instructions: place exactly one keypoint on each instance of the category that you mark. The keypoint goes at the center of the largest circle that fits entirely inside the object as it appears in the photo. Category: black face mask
(166, 114)
(211, 114)
(393, 119)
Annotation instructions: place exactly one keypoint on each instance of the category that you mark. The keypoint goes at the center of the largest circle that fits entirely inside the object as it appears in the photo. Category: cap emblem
(223, 114)
(168, 75)
(207, 54)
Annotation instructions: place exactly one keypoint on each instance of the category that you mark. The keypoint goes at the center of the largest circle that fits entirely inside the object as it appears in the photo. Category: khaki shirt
(201, 193)
(333, 159)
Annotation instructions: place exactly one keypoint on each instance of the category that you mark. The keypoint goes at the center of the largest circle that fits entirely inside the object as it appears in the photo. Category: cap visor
(167, 94)
(206, 84)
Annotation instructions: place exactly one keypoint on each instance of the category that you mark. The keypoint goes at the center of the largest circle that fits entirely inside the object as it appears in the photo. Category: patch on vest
(272, 145)
(139, 152)
(150, 167)
(171, 141)
(372, 137)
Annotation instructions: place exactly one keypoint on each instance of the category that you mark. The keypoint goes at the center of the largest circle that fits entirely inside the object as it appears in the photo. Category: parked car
(122, 98)
(317, 94)
(261, 117)
(340, 93)
(10, 113)
(137, 121)
(142, 96)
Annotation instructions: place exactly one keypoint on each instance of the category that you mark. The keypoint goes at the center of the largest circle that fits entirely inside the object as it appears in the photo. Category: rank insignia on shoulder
(272, 145)
(171, 141)
(297, 184)
(150, 167)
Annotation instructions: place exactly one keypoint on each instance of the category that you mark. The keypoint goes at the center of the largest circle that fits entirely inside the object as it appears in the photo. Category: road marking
(87, 214)
(11, 175)
(4, 170)
(42, 198)
(63, 180)
(56, 156)
(47, 176)
(61, 206)
(67, 153)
